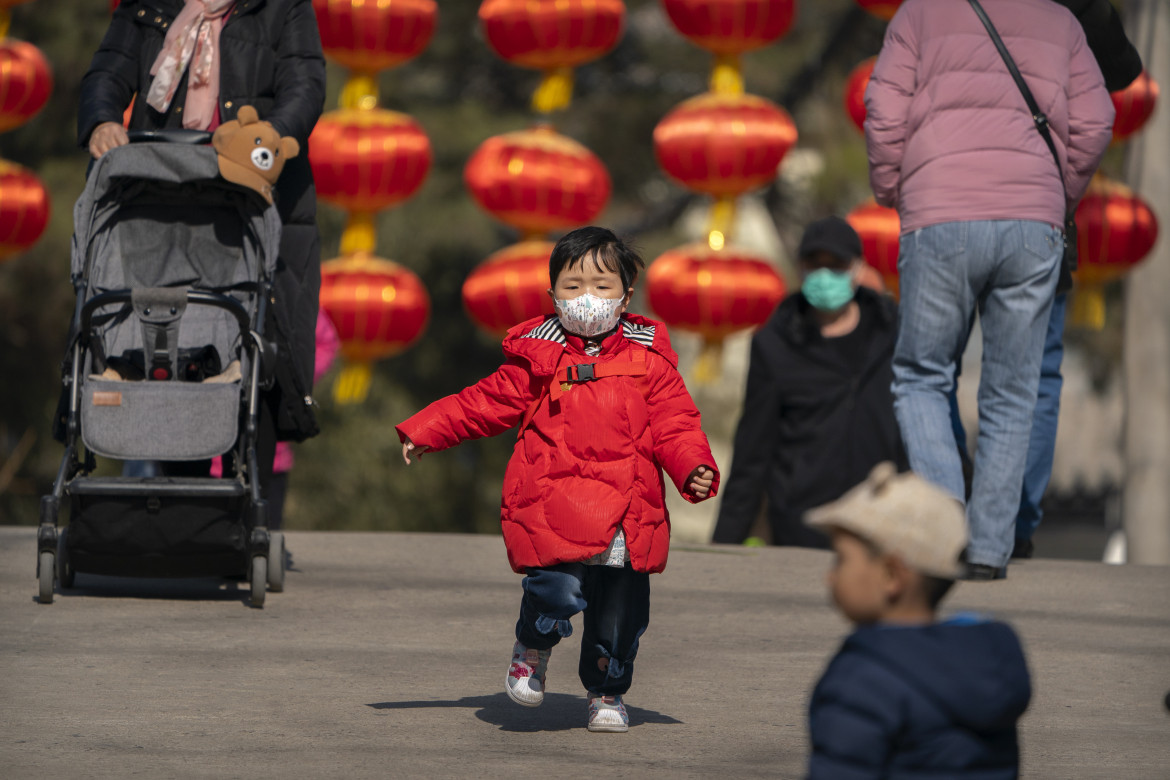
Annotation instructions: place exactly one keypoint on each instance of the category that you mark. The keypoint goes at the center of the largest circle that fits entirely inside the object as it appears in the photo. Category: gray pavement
(385, 657)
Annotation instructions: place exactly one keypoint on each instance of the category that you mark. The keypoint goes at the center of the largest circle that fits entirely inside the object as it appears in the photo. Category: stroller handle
(170, 136)
(231, 305)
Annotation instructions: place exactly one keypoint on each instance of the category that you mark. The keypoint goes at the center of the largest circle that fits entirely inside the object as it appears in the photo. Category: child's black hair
(609, 252)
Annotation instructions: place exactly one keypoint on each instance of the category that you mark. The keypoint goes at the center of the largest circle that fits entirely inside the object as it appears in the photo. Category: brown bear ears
(289, 148)
(247, 115)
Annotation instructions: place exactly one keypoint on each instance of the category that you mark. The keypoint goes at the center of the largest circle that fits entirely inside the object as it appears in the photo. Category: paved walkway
(385, 657)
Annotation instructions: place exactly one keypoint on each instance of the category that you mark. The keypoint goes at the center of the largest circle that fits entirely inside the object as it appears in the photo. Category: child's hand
(699, 483)
(408, 447)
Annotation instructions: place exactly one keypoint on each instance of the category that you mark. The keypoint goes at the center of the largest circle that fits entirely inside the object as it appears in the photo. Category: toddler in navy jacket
(908, 696)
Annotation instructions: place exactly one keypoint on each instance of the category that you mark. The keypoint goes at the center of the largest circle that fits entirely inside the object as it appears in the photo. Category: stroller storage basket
(160, 527)
(137, 420)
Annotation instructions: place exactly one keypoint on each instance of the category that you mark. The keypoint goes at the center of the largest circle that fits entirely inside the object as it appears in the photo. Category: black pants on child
(616, 606)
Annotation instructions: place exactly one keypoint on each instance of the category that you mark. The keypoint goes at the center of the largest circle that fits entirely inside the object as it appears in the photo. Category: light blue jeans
(1042, 441)
(1007, 271)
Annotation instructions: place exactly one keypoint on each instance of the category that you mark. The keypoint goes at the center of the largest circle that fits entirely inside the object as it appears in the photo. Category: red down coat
(590, 459)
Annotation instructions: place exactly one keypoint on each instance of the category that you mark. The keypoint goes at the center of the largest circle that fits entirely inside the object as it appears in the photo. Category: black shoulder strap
(1038, 116)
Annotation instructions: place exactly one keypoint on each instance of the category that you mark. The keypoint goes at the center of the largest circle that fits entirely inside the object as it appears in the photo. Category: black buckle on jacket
(584, 373)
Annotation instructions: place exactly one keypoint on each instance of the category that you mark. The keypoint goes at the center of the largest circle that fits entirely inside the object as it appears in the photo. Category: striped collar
(551, 330)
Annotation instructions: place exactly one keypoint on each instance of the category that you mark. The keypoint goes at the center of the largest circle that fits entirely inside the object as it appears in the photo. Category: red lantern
(379, 309)
(1134, 105)
(24, 209)
(366, 160)
(713, 292)
(510, 286)
(368, 37)
(554, 36)
(880, 229)
(537, 180)
(882, 9)
(1116, 229)
(552, 33)
(855, 91)
(724, 145)
(723, 27)
(25, 82)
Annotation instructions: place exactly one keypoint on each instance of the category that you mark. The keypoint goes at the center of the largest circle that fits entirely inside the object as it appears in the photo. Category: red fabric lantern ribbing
(368, 159)
(537, 180)
(378, 307)
(510, 286)
(882, 9)
(731, 26)
(552, 33)
(879, 228)
(25, 82)
(371, 36)
(723, 145)
(24, 209)
(712, 292)
(1116, 229)
(855, 91)
(1133, 106)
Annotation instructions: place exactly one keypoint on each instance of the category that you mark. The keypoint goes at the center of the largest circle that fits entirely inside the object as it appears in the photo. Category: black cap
(833, 235)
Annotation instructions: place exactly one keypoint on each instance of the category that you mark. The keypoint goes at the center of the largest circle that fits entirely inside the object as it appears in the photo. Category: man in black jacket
(818, 413)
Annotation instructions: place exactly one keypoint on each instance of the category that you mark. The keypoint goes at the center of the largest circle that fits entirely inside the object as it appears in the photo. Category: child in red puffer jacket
(602, 411)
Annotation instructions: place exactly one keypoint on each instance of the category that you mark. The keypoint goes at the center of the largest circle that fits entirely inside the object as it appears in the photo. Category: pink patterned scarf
(192, 40)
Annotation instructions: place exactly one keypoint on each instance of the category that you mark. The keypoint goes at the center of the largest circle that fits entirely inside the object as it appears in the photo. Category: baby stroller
(172, 267)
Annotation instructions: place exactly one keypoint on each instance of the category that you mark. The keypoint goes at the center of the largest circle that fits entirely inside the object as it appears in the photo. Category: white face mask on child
(587, 315)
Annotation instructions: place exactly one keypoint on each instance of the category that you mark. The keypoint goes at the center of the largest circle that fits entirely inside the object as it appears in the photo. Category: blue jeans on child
(1007, 270)
(616, 603)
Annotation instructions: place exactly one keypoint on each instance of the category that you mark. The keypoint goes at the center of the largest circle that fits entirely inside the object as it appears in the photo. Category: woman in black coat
(269, 57)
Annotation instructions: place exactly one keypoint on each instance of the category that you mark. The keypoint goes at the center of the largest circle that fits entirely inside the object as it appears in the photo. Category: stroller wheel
(275, 561)
(65, 573)
(46, 571)
(259, 579)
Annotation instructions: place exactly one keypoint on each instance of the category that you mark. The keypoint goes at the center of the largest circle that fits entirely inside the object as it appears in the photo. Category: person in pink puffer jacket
(953, 146)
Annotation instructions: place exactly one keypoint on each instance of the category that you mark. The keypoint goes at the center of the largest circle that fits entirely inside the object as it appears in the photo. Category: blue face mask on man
(828, 290)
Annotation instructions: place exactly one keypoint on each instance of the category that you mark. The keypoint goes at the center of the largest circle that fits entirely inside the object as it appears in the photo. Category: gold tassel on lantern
(726, 75)
(1087, 308)
(555, 91)
(353, 383)
(359, 234)
(360, 91)
(709, 365)
(720, 221)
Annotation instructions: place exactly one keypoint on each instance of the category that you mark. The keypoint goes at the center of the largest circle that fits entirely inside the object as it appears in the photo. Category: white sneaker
(525, 681)
(607, 713)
